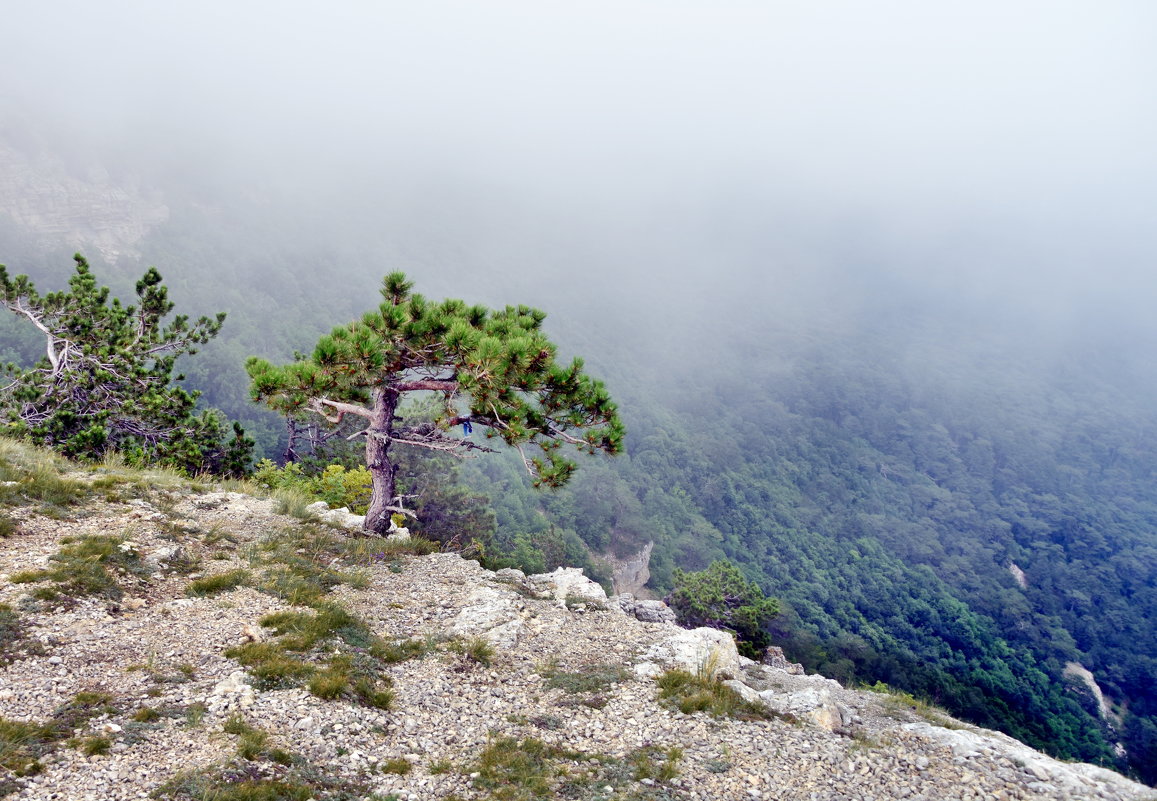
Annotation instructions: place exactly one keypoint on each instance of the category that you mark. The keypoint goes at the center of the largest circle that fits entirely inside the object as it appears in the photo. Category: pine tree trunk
(382, 470)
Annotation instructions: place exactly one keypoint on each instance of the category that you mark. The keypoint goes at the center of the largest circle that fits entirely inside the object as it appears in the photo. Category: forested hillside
(888, 458)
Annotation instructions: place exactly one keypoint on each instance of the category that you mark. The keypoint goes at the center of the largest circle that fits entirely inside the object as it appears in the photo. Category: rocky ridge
(158, 648)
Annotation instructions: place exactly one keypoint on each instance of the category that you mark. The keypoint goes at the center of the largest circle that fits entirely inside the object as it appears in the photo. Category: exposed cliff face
(631, 574)
(1018, 574)
(1075, 670)
(89, 212)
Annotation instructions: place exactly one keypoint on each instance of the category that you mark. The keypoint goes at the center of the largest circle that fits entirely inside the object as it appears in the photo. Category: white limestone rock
(231, 694)
(1072, 780)
(492, 613)
(743, 691)
(814, 704)
(341, 517)
(701, 651)
(569, 582)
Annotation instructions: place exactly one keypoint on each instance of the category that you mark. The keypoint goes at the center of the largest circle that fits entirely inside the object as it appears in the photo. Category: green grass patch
(22, 744)
(510, 769)
(273, 775)
(90, 566)
(302, 630)
(401, 650)
(90, 746)
(31, 476)
(514, 770)
(271, 665)
(253, 743)
(222, 582)
(397, 766)
(146, 715)
(232, 785)
(285, 662)
(594, 678)
(690, 693)
(475, 650)
(440, 766)
(301, 565)
(652, 762)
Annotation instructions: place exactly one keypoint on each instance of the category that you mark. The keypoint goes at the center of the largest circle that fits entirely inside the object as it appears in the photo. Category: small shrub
(335, 485)
(370, 693)
(91, 746)
(651, 762)
(301, 631)
(194, 714)
(230, 787)
(720, 597)
(516, 769)
(28, 576)
(23, 743)
(401, 650)
(547, 722)
(691, 693)
(476, 650)
(329, 684)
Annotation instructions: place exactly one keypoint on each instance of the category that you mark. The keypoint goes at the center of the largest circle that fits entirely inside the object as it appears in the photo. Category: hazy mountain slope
(875, 450)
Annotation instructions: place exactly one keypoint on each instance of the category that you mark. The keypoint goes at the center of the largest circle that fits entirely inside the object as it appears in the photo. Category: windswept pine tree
(106, 379)
(494, 371)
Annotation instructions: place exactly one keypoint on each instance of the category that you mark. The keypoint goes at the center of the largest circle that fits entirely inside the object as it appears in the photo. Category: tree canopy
(494, 370)
(722, 598)
(106, 379)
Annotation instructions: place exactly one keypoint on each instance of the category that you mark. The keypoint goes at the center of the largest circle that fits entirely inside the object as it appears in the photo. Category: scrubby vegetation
(22, 744)
(93, 565)
(689, 692)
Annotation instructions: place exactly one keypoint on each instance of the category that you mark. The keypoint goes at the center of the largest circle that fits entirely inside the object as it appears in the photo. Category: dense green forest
(881, 473)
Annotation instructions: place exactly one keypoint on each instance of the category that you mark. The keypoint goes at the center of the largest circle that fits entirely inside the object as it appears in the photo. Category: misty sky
(975, 148)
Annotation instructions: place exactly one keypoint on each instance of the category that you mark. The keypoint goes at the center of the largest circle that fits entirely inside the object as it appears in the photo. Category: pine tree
(492, 370)
(106, 379)
(720, 597)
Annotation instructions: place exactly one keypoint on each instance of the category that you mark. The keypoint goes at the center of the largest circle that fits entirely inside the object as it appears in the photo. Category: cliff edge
(230, 652)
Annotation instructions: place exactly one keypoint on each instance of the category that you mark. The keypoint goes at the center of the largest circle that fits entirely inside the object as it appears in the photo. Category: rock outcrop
(86, 211)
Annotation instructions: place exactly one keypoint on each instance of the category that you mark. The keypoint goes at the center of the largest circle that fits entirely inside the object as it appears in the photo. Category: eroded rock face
(86, 211)
(630, 575)
(773, 657)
